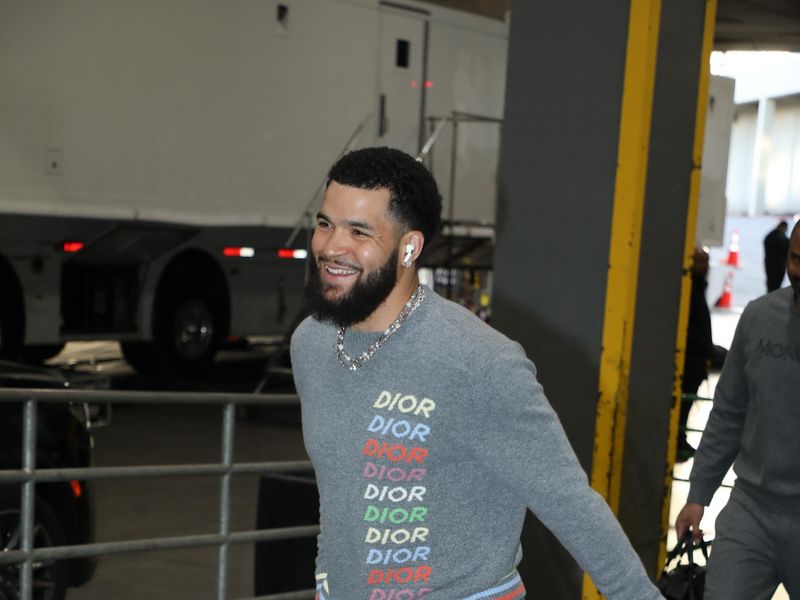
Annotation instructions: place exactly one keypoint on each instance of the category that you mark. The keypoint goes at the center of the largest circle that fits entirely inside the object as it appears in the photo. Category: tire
(188, 332)
(49, 577)
(38, 354)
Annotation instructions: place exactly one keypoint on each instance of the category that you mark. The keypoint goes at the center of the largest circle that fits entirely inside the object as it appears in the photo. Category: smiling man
(755, 425)
(428, 431)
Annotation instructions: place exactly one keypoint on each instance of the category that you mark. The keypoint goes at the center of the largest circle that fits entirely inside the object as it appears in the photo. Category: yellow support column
(623, 261)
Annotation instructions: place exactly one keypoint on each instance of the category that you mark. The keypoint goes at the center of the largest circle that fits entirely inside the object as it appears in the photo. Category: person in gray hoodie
(428, 431)
(755, 425)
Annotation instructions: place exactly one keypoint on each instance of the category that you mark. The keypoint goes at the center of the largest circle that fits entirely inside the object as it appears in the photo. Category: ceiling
(758, 25)
(741, 24)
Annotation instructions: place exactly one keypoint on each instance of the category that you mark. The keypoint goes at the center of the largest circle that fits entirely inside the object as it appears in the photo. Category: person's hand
(689, 520)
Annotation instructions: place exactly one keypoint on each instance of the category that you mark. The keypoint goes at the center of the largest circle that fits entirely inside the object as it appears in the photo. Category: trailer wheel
(12, 316)
(188, 331)
(49, 576)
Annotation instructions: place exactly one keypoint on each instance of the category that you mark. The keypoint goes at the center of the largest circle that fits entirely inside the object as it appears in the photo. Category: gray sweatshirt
(427, 457)
(755, 420)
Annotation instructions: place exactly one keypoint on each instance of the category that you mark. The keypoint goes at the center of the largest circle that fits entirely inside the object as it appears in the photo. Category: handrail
(11, 557)
(426, 147)
(442, 122)
(307, 210)
(475, 118)
(139, 397)
(176, 470)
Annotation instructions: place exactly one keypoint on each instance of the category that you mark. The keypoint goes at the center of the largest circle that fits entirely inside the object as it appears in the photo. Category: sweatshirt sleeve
(719, 444)
(522, 443)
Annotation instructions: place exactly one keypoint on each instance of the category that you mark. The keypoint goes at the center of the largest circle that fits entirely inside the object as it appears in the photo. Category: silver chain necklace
(351, 363)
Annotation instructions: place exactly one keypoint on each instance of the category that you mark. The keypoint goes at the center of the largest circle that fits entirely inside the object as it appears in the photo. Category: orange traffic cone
(726, 299)
(733, 250)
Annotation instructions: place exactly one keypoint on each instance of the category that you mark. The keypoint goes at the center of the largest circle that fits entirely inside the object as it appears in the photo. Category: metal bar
(51, 475)
(423, 88)
(229, 418)
(695, 398)
(451, 207)
(474, 118)
(440, 125)
(684, 480)
(165, 543)
(26, 517)
(149, 398)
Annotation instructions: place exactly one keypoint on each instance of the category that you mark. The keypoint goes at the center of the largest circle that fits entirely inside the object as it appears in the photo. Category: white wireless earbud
(407, 254)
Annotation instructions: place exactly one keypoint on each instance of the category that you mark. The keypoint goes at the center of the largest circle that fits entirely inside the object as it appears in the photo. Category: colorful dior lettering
(398, 555)
(393, 474)
(398, 551)
(402, 575)
(405, 403)
(398, 537)
(395, 452)
(399, 428)
(394, 494)
(395, 516)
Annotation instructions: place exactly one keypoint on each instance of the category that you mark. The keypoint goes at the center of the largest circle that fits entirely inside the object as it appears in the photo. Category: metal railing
(29, 476)
(438, 124)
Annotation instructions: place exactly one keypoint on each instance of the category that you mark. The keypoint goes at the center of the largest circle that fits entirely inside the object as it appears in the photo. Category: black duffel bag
(685, 581)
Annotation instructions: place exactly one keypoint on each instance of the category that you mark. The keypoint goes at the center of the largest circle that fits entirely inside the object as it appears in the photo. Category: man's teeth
(339, 271)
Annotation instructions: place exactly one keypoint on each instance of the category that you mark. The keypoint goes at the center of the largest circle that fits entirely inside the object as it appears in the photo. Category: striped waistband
(508, 588)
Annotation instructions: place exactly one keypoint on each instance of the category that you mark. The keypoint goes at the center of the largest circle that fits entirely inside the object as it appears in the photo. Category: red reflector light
(428, 84)
(289, 253)
(72, 246)
(77, 489)
(241, 251)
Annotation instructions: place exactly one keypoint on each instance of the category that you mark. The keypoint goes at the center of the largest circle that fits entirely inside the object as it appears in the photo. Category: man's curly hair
(414, 199)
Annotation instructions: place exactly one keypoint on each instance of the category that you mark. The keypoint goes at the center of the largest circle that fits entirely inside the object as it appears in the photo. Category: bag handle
(686, 546)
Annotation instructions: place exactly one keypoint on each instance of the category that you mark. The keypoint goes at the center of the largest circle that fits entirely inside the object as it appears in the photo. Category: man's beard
(363, 299)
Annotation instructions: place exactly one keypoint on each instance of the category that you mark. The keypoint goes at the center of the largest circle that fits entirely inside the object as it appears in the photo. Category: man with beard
(428, 431)
(755, 425)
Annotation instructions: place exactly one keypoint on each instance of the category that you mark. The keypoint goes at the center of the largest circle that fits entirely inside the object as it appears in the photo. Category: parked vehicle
(155, 160)
(63, 510)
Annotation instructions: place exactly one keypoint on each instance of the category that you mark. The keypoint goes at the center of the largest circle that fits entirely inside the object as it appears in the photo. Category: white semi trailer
(155, 155)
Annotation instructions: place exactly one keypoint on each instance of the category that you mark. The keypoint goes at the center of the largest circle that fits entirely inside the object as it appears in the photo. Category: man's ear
(411, 244)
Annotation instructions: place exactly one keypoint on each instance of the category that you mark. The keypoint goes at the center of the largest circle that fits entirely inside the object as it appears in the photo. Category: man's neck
(389, 310)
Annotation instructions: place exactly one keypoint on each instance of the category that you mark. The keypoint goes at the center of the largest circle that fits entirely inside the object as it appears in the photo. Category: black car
(63, 510)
